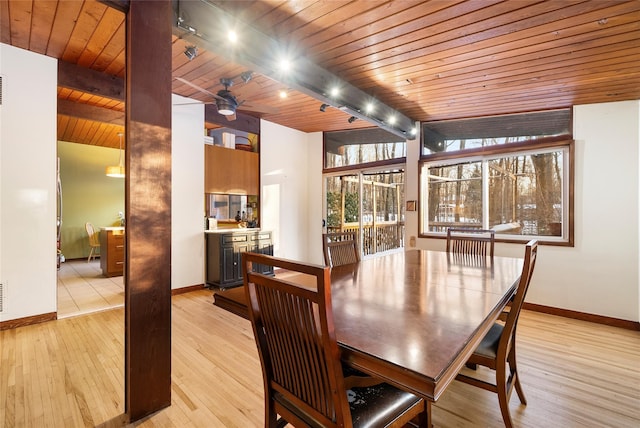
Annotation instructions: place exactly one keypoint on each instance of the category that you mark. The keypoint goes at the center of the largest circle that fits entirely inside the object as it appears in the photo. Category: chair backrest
(94, 241)
(340, 248)
(508, 333)
(294, 331)
(477, 242)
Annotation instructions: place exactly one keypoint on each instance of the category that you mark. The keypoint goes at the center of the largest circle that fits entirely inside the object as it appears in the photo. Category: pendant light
(117, 171)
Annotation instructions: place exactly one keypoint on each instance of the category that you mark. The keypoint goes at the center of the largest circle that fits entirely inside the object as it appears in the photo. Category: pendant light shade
(117, 170)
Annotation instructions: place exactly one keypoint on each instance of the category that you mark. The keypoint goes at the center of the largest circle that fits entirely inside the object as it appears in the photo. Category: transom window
(362, 146)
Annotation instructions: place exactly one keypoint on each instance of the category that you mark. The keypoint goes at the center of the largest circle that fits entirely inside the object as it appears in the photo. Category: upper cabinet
(234, 169)
(231, 171)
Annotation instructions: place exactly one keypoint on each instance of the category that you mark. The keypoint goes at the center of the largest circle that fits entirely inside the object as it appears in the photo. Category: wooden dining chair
(476, 242)
(497, 350)
(94, 241)
(302, 372)
(340, 248)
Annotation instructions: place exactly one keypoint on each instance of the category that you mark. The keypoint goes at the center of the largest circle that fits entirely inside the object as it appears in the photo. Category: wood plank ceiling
(429, 60)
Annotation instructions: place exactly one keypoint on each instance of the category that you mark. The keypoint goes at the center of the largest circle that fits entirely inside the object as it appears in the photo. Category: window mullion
(485, 194)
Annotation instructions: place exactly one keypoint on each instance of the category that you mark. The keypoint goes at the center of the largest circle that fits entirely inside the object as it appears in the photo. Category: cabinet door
(264, 247)
(231, 171)
(239, 249)
(229, 265)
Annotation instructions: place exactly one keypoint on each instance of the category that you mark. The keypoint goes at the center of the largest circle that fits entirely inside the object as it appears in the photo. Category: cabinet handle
(119, 263)
(119, 246)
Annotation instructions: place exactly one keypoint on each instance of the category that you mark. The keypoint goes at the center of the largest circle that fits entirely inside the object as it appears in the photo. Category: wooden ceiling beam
(89, 112)
(121, 5)
(90, 81)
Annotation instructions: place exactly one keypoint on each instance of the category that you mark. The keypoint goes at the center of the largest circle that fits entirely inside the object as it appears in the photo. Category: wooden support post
(148, 208)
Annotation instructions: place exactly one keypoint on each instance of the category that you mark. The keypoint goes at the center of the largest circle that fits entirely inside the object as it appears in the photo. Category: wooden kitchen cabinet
(224, 255)
(229, 171)
(112, 251)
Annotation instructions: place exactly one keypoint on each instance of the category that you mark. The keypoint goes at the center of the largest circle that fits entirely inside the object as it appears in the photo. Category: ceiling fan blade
(194, 86)
(257, 108)
(194, 103)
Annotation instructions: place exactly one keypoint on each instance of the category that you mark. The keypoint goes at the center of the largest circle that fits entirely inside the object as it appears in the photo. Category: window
(362, 146)
(456, 135)
(518, 186)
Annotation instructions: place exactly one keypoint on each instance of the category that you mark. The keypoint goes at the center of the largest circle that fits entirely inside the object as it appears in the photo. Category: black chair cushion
(489, 345)
(371, 407)
(378, 406)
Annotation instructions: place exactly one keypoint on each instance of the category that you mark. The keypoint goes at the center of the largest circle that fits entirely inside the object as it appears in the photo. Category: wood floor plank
(69, 373)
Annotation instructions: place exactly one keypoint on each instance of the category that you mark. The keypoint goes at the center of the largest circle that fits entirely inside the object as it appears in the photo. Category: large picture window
(520, 189)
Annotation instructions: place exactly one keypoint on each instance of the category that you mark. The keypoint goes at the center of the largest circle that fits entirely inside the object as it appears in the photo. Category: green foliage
(351, 207)
(334, 208)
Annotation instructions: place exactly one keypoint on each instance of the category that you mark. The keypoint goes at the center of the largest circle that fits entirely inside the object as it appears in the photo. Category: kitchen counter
(113, 228)
(233, 229)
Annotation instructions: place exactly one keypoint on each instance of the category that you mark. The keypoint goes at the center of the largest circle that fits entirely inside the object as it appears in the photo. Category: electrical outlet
(412, 241)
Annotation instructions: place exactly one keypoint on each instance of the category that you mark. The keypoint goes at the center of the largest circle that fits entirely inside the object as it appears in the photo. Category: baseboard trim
(598, 319)
(567, 313)
(21, 322)
(176, 291)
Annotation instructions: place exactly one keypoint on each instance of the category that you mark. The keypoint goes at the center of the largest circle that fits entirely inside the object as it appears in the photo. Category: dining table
(413, 318)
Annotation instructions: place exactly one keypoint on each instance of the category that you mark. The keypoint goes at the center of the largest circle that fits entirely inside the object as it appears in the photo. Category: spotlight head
(191, 52)
(352, 119)
(246, 76)
(323, 107)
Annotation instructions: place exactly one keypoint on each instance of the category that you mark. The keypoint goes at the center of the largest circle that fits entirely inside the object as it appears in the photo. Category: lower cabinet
(224, 255)
(112, 251)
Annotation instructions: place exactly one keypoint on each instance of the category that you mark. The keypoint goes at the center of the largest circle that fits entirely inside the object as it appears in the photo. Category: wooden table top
(413, 318)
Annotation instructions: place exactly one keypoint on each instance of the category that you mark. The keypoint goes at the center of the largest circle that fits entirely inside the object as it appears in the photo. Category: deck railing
(376, 238)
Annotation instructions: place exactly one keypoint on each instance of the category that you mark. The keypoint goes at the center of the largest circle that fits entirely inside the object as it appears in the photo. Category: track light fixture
(194, 23)
(352, 119)
(191, 52)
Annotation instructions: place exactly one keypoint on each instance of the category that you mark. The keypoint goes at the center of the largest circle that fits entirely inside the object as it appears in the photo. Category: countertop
(234, 229)
(114, 228)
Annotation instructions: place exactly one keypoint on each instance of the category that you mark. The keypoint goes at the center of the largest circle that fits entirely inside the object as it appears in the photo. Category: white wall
(314, 188)
(28, 182)
(291, 191)
(600, 274)
(187, 195)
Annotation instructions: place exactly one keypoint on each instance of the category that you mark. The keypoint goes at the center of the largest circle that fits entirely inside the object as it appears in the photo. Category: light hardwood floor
(69, 373)
(83, 289)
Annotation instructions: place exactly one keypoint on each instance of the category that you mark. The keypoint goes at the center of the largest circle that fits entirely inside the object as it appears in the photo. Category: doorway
(370, 203)
(86, 194)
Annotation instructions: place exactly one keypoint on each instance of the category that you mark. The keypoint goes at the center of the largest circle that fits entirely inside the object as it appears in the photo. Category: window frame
(512, 149)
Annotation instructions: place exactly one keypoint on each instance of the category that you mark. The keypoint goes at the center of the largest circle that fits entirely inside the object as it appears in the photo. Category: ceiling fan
(225, 101)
